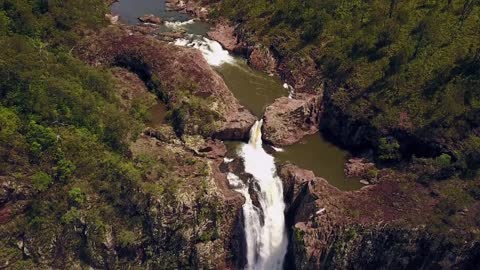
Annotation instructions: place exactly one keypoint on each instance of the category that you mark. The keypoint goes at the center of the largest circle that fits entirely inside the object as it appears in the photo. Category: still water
(255, 90)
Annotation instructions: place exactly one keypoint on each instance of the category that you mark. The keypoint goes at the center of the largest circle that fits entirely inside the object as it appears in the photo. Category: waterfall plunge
(267, 242)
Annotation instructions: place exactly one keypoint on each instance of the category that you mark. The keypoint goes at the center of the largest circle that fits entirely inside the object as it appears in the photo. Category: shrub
(41, 181)
(388, 149)
(76, 196)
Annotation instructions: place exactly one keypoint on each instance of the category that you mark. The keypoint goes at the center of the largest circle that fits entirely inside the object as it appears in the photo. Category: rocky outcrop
(150, 18)
(14, 196)
(288, 120)
(193, 223)
(197, 95)
(364, 170)
(192, 7)
(300, 72)
(262, 59)
(381, 226)
(113, 19)
(224, 34)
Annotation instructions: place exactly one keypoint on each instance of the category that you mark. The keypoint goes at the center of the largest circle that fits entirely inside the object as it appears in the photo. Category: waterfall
(211, 50)
(267, 240)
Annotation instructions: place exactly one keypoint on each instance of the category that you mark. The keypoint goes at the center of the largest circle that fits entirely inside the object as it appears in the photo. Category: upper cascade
(212, 51)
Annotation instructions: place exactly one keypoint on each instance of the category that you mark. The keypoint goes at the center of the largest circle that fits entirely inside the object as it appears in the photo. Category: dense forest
(62, 127)
(409, 70)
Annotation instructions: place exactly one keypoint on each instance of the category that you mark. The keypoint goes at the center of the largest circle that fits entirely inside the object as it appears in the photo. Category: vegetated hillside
(402, 77)
(62, 131)
(75, 191)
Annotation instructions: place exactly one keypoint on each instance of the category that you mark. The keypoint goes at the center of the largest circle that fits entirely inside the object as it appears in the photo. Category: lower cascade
(265, 234)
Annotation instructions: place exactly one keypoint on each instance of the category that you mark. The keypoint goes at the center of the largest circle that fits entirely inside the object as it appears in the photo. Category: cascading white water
(176, 24)
(212, 51)
(267, 242)
(251, 220)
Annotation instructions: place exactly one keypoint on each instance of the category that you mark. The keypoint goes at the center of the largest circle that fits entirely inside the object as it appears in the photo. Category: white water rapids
(212, 51)
(267, 241)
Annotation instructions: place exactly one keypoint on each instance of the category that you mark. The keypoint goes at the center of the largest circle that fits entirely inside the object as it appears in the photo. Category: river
(264, 225)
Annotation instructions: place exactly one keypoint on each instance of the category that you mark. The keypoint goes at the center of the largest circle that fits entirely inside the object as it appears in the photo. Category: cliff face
(193, 221)
(379, 227)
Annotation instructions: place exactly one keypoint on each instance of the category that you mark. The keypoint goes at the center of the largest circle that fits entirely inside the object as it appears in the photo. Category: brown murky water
(157, 114)
(323, 158)
(255, 90)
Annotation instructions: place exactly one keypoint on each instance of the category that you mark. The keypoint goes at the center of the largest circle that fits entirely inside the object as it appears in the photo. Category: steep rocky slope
(386, 226)
(197, 96)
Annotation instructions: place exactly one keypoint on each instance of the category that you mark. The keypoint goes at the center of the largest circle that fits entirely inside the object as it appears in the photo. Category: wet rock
(224, 34)
(288, 120)
(150, 18)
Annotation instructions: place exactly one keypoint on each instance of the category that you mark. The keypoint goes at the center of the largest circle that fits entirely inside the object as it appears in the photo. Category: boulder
(150, 18)
(262, 59)
(288, 120)
(113, 19)
(358, 167)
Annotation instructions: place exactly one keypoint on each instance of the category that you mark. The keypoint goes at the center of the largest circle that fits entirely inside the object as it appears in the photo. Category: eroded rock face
(224, 34)
(181, 76)
(288, 120)
(377, 226)
(194, 223)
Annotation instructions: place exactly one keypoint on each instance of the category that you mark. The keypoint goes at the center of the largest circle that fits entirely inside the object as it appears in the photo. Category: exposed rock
(150, 18)
(14, 194)
(163, 133)
(113, 19)
(194, 8)
(381, 225)
(361, 168)
(196, 222)
(179, 74)
(288, 120)
(224, 34)
(262, 59)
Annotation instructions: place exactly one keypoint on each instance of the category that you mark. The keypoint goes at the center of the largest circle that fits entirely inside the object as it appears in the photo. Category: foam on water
(211, 50)
(177, 24)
